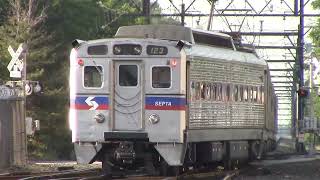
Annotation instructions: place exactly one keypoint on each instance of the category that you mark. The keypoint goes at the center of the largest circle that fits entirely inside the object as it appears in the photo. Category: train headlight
(154, 118)
(100, 118)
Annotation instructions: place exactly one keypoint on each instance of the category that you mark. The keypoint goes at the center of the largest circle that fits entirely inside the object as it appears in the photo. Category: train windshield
(128, 75)
(92, 76)
(161, 77)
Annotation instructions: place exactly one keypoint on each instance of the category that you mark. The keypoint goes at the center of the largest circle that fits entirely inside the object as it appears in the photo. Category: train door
(127, 95)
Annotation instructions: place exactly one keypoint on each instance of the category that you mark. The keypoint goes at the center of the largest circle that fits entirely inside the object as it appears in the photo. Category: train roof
(203, 51)
(166, 32)
(176, 33)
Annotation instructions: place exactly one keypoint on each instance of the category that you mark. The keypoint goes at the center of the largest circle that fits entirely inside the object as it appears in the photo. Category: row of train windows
(128, 76)
(226, 92)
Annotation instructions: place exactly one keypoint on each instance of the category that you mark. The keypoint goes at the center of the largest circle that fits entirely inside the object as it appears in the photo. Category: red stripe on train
(152, 107)
(86, 107)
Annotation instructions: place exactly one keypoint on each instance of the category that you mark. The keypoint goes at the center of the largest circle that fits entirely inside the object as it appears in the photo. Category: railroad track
(68, 174)
(93, 174)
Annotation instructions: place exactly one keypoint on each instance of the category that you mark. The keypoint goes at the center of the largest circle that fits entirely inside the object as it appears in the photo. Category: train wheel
(107, 166)
(149, 166)
(167, 170)
(164, 168)
(227, 164)
(256, 150)
(175, 170)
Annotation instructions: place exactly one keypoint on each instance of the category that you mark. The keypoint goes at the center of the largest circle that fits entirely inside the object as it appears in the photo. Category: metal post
(24, 80)
(301, 59)
(296, 3)
(182, 13)
(210, 16)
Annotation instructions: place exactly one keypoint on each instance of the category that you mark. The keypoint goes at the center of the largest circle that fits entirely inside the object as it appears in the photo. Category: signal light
(80, 62)
(173, 62)
(303, 92)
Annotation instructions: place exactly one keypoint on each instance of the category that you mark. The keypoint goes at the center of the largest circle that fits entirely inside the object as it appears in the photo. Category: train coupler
(125, 153)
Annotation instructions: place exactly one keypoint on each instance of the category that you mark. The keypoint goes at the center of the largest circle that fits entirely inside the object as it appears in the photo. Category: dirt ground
(293, 171)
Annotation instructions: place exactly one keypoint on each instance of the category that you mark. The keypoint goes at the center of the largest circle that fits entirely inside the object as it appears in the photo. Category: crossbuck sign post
(16, 64)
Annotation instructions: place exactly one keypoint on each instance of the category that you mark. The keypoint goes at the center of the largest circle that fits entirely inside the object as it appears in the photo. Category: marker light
(154, 118)
(173, 62)
(99, 118)
(80, 62)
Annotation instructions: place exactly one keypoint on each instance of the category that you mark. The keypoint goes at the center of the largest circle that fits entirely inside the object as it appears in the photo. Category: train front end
(128, 102)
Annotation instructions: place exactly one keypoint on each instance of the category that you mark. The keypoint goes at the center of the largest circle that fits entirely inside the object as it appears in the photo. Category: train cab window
(128, 75)
(92, 76)
(161, 77)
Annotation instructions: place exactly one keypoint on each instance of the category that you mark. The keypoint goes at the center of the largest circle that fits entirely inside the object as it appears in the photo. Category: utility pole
(210, 16)
(183, 11)
(301, 61)
(146, 11)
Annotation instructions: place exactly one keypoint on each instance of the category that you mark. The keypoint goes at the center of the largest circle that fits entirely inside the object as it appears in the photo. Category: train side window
(202, 90)
(241, 93)
(197, 90)
(128, 75)
(213, 92)
(258, 95)
(192, 90)
(262, 94)
(245, 94)
(227, 92)
(219, 92)
(235, 93)
(255, 94)
(161, 77)
(251, 94)
(207, 91)
(92, 76)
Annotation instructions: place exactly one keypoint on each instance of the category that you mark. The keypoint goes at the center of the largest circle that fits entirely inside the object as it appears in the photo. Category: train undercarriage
(141, 157)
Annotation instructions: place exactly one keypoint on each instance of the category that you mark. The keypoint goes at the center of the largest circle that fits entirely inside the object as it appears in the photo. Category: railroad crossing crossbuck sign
(16, 65)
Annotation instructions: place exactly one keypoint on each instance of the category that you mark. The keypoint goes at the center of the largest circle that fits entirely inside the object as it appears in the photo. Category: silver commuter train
(164, 97)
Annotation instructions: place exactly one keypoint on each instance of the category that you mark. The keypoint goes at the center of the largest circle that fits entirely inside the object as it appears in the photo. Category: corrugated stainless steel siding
(222, 114)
